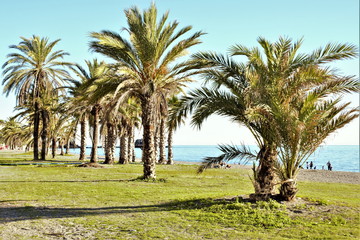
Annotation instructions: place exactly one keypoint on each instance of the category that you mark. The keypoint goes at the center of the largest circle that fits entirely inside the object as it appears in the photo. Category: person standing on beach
(307, 165)
(311, 165)
(329, 165)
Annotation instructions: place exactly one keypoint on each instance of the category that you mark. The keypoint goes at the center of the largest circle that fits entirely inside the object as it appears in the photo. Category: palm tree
(308, 131)
(146, 66)
(312, 110)
(87, 95)
(109, 132)
(76, 106)
(31, 71)
(163, 115)
(174, 120)
(251, 94)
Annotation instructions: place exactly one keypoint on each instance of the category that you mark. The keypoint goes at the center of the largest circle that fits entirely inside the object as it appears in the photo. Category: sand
(311, 175)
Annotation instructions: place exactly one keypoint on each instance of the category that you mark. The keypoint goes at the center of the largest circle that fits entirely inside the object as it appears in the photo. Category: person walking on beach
(311, 165)
(329, 165)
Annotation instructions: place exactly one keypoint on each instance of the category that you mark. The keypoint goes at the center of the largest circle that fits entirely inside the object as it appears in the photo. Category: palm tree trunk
(45, 118)
(265, 176)
(82, 139)
(112, 142)
(109, 146)
(106, 149)
(95, 113)
(61, 147)
(67, 146)
(148, 122)
(53, 147)
(170, 145)
(36, 130)
(162, 142)
(288, 190)
(156, 141)
(124, 159)
(131, 143)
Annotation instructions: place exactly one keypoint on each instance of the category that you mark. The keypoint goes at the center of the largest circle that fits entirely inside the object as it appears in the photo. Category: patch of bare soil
(312, 209)
(20, 222)
(45, 229)
(91, 165)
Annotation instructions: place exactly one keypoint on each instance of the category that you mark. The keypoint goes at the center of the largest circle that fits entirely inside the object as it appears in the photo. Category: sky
(226, 23)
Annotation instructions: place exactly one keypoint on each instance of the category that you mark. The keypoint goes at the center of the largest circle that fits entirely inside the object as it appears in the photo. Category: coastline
(305, 175)
(308, 175)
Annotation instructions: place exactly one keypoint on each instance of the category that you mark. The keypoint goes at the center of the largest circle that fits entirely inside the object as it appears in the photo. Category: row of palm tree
(14, 134)
(285, 98)
(138, 83)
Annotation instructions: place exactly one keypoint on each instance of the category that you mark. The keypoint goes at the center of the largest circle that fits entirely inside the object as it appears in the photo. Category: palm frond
(230, 152)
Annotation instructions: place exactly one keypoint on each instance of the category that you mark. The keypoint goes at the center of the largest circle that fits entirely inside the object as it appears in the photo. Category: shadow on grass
(20, 213)
(69, 181)
(138, 179)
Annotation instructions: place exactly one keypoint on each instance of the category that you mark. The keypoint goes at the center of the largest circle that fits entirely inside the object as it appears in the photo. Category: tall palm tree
(146, 64)
(88, 97)
(31, 71)
(251, 94)
(76, 106)
(109, 130)
(163, 115)
(132, 112)
(174, 120)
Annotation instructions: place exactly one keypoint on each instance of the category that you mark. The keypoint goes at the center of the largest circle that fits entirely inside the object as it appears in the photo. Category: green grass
(111, 203)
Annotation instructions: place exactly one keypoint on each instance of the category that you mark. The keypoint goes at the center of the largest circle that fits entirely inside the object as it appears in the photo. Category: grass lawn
(66, 202)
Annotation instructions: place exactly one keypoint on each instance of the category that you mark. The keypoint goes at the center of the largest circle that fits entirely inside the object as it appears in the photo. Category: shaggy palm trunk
(156, 141)
(288, 190)
(44, 133)
(162, 142)
(109, 146)
(106, 150)
(95, 112)
(124, 159)
(82, 139)
(131, 144)
(36, 130)
(67, 146)
(53, 147)
(148, 122)
(170, 144)
(265, 176)
(61, 147)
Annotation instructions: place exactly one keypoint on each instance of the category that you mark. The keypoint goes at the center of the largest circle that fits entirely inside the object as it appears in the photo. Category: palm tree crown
(34, 69)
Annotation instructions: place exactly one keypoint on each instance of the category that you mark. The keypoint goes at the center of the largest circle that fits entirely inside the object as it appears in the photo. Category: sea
(342, 157)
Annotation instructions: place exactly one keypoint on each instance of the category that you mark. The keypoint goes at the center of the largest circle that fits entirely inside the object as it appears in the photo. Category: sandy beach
(312, 175)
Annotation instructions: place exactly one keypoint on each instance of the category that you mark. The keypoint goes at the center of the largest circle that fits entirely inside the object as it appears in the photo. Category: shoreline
(308, 175)
(305, 175)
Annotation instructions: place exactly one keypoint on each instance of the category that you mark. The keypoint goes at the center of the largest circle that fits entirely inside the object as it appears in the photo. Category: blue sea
(342, 157)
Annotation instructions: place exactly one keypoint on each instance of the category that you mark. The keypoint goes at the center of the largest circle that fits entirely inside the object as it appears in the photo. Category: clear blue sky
(226, 22)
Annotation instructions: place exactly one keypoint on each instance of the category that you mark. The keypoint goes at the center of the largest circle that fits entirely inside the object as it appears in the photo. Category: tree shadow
(20, 213)
(70, 181)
